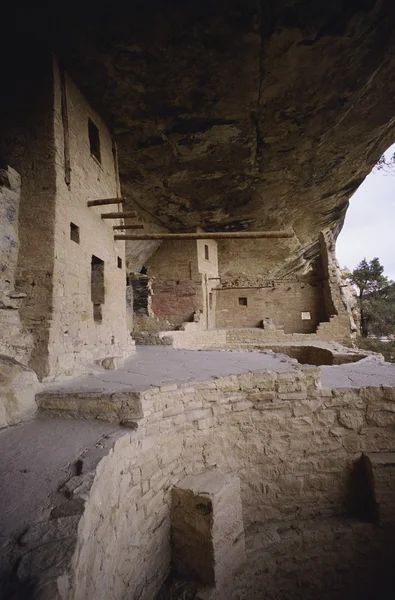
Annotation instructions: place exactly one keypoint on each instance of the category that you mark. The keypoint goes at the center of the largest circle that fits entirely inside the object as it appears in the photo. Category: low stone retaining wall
(237, 338)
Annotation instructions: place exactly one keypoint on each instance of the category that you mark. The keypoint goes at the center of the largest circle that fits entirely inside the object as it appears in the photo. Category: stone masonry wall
(27, 141)
(252, 338)
(207, 255)
(282, 302)
(291, 442)
(176, 282)
(245, 298)
(259, 257)
(53, 272)
(183, 275)
(76, 339)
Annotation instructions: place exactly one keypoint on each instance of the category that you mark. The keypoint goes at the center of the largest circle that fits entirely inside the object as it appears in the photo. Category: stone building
(64, 273)
(188, 290)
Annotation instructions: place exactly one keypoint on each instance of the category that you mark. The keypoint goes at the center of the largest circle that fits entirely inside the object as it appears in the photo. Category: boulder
(18, 388)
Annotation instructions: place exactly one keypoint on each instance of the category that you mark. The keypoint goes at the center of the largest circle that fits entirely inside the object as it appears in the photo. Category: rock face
(236, 115)
(253, 115)
(15, 341)
(18, 387)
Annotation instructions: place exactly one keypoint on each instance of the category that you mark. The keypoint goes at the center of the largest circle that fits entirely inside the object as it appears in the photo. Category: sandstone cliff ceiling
(263, 114)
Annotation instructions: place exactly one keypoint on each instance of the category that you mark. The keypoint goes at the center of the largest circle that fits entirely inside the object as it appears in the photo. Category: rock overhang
(235, 116)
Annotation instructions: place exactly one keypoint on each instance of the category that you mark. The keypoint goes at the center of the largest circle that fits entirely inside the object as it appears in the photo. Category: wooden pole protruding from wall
(119, 215)
(135, 226)
(204, 235)
(106, 201)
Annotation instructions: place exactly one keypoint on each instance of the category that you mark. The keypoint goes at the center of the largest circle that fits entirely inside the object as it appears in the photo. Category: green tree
(374, 295)
(380, 309)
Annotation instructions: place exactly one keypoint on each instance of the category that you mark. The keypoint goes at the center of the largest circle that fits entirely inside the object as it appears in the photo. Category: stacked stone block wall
(291, 442)
(183, 275)
(207, 255)
(53, 271)
(76, 339)
(27, 145)
(176, 282)
(249, 338)
(207, 530)
(257, 257)
(282, 302)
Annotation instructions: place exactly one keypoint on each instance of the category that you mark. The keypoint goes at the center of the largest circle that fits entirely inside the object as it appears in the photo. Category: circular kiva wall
(291, 443)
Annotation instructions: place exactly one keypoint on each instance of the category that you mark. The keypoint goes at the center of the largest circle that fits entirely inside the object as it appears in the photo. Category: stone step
(124, 407)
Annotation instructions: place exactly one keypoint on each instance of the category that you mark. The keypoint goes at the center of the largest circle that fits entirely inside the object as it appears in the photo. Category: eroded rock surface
(253, 115)
(18, 387)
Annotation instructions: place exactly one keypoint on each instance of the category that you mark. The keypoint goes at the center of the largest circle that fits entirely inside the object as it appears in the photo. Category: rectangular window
(210, 301)
(97, 287)
(119, 262)
(206, 252)
(74, 233)
(94, 140)
(306, 316)
(243, 301)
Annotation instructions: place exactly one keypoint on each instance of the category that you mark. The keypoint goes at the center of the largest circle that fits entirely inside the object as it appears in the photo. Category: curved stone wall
(291, 442)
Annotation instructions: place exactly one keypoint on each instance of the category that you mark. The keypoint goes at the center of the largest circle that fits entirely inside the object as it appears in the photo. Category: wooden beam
(119, 215)
(135, 226)
(106, 201)
(204, 235)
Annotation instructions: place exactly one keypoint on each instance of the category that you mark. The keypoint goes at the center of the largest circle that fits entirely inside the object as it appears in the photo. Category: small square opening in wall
(206, 252)
(306, 316)
(119, 262)
(243, 301)
(94, 140)
(74, 233)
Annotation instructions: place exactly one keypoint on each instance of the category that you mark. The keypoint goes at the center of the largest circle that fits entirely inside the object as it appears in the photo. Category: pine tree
(376, 295)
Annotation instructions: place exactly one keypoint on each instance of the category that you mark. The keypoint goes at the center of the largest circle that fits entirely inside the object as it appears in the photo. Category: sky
(369, 228)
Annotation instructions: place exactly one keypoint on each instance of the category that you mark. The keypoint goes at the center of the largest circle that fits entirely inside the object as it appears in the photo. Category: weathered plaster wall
(207, 255)
(260, 257)
(176, 283)
(291, 442)
(282, 302)
(185, 282)
(53, 271)
(76, 339)
(183, 275)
